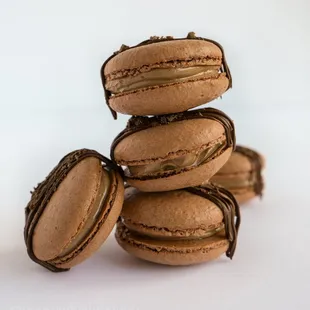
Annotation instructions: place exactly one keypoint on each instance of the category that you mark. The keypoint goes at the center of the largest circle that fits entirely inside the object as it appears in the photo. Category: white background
(52, 102)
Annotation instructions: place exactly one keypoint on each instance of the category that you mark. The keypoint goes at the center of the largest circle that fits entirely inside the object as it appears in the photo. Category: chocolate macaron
(164, 75)
(242, 174)
(181, 227)
(73, 210)
(168, 152)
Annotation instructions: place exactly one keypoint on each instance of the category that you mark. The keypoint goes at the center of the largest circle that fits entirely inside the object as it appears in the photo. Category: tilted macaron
(164, 75)
(242, 174)
(73, 210)
(174, 151)
(181, 227)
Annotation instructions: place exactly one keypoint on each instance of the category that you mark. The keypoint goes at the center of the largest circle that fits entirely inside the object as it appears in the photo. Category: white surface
(52, 102)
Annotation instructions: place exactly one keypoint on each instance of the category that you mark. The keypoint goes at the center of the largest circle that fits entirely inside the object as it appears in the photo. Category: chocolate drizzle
(256, 171)
(138, 123)
(44, 191)
(154, 39)
(229, 207)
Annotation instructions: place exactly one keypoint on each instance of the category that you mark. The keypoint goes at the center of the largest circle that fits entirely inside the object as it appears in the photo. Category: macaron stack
(167, 151)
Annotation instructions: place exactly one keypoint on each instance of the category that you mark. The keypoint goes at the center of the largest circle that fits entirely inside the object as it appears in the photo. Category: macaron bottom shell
(171, 252)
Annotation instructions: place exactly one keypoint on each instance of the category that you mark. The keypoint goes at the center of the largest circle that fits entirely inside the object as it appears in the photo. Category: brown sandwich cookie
(73, 210)
(174, 151)
(242, 174)
(181, 227)
(164, 75)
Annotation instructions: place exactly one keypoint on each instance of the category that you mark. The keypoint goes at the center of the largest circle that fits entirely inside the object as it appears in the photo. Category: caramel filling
(161, 76)
(97, 206)
(185, 161)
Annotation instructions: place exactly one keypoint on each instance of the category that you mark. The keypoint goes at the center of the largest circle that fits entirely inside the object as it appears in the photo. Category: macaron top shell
(163, 52)
(69, 207)
(237, 163)
(241, 160)
(161, 142)
(156, 52)
(176, 214)
(171, 135)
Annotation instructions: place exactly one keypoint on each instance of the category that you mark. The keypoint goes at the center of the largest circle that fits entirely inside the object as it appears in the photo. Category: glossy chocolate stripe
(44, 191)
(230, 208)
(138, 123)
(256, 170)
(152, 40)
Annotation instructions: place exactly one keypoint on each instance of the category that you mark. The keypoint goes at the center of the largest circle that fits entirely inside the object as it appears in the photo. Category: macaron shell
(172, 253)
(193, 177)
(67, 210)
(239, 163)
(160, 141)
(164, 51)
(170, 98)
(100, 235)
(174, 213)
(242, 194)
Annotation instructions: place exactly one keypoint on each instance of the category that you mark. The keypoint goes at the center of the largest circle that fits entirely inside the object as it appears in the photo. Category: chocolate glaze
(230, 208)
(138, 123)
(155, 39)
(256, 171)
(44, 191)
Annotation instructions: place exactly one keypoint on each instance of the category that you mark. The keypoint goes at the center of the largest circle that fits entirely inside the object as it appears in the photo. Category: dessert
(181, 227)
(164, 75)
(174, 151)
(73, 210)
(242, 174)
